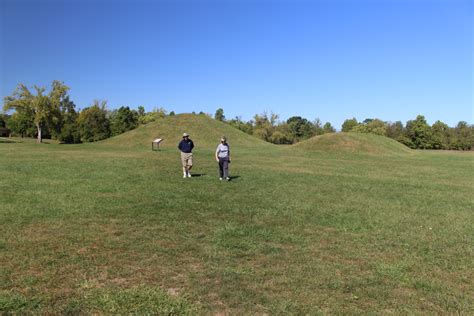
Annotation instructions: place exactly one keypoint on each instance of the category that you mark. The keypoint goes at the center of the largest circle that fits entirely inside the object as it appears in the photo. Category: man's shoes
(189, 175)
(227, 178)
(184, 176)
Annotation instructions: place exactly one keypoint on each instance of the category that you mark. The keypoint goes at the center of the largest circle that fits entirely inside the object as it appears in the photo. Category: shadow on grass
(231, 178)
(195, 175)
(6, 141)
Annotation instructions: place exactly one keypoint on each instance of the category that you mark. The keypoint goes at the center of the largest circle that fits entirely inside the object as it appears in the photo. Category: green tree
(318, 127)
(93, 122)
(419, 133)
(349, 124)
(440, 135)
(3, 122)
(141, 111)
(245, 127)
(219, 116)
(22, 124)
(152, 116)
(123, 120)
(264, 125)
(69, 131)
(68, 111)
(327, 128)
(299, 128)
(394, 130)
(44, 109)
(371, 126)
(377, 127)
(279, 137)
(463, 136)
(62, 108)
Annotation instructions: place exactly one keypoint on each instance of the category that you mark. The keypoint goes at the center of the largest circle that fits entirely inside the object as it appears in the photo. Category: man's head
(185, 135)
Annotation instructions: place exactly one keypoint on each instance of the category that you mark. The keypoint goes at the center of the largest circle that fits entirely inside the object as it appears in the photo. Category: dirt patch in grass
(58, 265)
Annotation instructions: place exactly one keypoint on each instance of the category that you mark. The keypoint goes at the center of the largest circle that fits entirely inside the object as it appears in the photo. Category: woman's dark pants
(223, 167)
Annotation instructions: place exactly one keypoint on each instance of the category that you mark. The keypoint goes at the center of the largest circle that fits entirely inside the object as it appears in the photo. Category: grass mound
(354, 143)
(203, 130)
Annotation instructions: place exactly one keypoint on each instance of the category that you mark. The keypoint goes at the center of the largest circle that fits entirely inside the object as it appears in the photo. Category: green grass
(6, 140)
(202, 129)
(355, 143)
(113, 228)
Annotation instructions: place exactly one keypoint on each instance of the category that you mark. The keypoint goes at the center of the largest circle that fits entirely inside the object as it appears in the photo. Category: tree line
(269, 128)
(416, 134)
(53, 114)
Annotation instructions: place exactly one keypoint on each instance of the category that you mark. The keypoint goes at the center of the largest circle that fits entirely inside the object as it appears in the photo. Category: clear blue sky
(387, 59)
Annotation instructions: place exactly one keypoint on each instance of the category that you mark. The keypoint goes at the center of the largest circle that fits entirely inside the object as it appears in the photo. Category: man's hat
(185, 134)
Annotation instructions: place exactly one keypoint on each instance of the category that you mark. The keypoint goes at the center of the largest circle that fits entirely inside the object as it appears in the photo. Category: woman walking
(223, 158)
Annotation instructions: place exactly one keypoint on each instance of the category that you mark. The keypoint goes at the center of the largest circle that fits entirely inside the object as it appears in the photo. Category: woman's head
(223, 139)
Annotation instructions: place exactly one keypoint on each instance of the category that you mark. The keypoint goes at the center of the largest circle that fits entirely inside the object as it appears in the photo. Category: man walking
(186, 146)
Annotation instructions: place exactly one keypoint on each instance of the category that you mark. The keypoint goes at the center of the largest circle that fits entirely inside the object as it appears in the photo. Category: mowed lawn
(95, 228)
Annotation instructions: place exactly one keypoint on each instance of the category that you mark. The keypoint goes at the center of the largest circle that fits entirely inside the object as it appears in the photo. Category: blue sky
(387, 59)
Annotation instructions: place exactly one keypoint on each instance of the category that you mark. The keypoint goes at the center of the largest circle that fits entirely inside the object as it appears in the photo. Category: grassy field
(347, 224)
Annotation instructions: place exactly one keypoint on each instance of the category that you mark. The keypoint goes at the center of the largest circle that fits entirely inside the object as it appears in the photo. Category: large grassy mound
(354, 143)
(203, 130)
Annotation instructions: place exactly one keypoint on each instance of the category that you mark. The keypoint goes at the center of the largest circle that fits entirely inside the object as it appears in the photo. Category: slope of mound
(204, 131)
(354, 143)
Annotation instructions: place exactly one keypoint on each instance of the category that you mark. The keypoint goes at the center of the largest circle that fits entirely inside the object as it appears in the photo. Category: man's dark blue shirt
(186, 146)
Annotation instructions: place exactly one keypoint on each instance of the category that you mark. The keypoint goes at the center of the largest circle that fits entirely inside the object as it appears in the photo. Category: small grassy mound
(354, 143)
(204, 131)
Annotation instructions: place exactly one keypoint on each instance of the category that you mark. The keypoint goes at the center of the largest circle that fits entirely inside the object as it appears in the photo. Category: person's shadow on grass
(195, 175)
